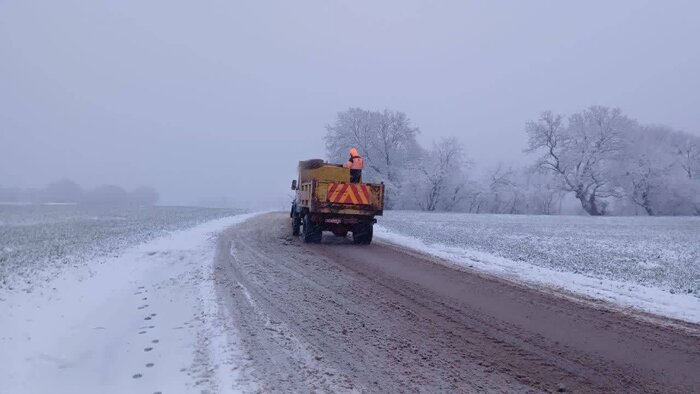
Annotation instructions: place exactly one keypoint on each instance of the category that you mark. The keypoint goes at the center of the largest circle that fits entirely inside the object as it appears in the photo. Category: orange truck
(326, 200)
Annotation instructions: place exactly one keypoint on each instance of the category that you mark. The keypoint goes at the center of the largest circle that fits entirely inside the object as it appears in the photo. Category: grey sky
(220, 99)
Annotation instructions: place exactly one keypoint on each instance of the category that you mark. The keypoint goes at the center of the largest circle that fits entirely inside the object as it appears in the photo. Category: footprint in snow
(149, 365)
(155, 341)
(136, 376)
(148, 349)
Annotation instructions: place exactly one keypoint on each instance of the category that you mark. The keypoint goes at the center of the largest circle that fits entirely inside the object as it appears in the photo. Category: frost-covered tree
(543, 192)
(582, 152)
(687, 151)
(660, 167)
(647, 163)
(507, 190)
(501, 192)
(386, 140)
(682, 197)
(438, 180)
(601, 155)
(610, 163)
(474, 197)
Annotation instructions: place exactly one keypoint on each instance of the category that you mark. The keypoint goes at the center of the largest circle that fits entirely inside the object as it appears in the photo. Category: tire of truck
(362, 234)
(311, 232)
(296, 224)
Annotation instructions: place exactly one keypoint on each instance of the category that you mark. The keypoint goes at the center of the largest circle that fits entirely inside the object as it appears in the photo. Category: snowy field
(140, 315)
(38, 241)
(648, 263)
(125, 301)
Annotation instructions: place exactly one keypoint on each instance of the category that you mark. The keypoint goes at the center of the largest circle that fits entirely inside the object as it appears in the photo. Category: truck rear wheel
(362, 234)
(296, 224)
(312, 233)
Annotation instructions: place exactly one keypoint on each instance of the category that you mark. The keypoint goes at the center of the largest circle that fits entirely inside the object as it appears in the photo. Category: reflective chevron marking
(348, 193)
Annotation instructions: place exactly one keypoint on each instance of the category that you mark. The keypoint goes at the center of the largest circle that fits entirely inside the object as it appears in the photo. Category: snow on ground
(145, 321)
(651, 264)
(37, 242)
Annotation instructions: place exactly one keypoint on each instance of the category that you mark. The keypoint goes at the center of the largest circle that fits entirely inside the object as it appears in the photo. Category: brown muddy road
(338, 317)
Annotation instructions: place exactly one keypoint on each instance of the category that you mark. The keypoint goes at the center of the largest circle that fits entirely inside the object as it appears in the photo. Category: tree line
(66, 191)
(600, 159)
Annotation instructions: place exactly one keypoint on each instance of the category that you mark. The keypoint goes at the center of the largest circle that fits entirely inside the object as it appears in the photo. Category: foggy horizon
(216, 102)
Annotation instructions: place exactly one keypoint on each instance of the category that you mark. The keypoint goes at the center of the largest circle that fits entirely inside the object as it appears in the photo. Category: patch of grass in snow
(654, 251)
(34, 238)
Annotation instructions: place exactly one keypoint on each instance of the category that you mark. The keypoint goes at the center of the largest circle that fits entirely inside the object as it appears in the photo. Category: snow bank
(627, 294)
(146, 321)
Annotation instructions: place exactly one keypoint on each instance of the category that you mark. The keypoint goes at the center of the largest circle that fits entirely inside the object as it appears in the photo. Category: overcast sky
(214, 99)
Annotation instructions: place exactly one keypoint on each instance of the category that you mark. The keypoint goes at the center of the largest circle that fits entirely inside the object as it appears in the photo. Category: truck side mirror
(294, 184)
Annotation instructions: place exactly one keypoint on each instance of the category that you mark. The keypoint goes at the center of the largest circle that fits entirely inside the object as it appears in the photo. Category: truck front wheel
(312, 233)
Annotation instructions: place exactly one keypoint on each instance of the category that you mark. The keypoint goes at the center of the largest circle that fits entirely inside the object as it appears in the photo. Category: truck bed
(342, 197)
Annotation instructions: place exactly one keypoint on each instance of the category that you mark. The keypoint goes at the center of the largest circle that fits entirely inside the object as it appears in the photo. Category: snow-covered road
(338, 317)
(146, 321)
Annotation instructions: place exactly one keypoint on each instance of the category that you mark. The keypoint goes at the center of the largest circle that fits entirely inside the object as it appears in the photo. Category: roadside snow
(145, 321)
(39, 242)
(684, 306)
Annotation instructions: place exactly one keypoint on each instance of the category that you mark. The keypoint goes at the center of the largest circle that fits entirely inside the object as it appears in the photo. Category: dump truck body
(326, 200)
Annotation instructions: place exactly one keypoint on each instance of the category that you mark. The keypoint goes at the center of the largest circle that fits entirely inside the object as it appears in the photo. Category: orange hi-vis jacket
(355, 162)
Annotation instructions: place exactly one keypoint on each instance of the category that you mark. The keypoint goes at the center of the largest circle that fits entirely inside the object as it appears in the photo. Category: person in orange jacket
(355, 164)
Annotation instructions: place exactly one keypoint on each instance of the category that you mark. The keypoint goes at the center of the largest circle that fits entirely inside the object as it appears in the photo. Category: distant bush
(63, 191)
